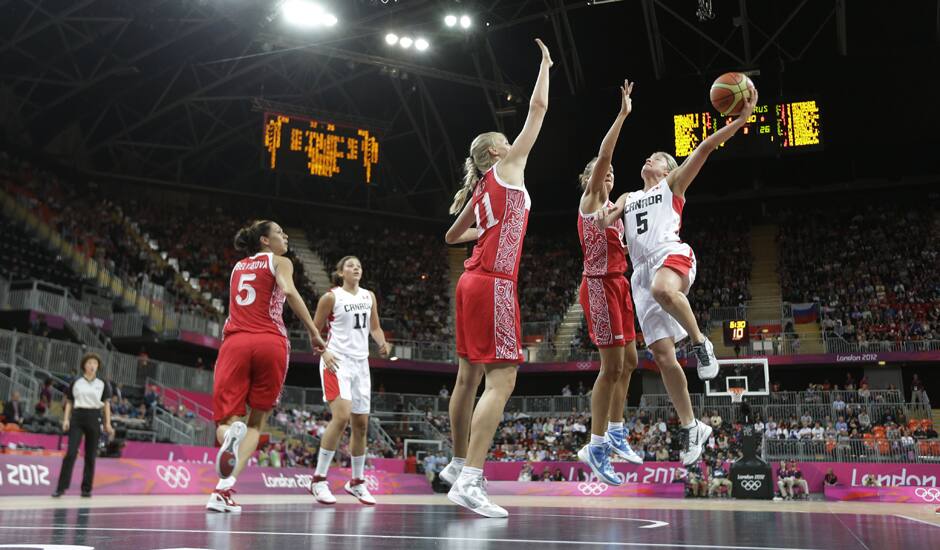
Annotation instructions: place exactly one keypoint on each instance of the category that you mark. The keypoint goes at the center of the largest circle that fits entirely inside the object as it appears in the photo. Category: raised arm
(605, 155)
(284, 275)
(609, 214)
(511, 168)
(680, 178)
(462, 231)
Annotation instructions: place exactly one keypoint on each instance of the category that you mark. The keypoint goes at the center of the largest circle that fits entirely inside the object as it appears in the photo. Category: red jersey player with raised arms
(488, 327)
(255, 350)
(608, 308)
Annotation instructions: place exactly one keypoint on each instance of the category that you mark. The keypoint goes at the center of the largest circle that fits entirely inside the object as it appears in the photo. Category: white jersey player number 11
(490, 218)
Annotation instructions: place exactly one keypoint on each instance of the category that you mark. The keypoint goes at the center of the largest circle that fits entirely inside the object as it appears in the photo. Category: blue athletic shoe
(617, 439)
(597, 457)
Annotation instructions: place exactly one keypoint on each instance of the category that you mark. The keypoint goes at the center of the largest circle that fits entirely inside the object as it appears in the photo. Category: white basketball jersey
(651, 218)
(350, 322)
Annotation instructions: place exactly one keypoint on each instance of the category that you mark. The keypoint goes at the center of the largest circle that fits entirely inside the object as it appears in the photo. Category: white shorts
(351, 382)
(655, 323)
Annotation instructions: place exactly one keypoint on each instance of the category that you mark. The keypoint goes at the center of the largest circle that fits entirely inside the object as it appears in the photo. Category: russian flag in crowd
(807, 312)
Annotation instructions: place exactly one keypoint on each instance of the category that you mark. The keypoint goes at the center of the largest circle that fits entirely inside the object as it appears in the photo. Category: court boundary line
(402, 537)
(917, 520)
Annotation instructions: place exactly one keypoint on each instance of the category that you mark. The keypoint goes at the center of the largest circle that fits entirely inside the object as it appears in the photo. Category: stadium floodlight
(391, 39)
(405, 42)
(465, 21)
(421, 44)
(306, 14)
(450, 20)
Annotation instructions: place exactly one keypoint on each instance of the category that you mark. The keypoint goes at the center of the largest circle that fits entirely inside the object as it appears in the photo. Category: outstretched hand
(626, 103)
(749, 105)
(546, 57)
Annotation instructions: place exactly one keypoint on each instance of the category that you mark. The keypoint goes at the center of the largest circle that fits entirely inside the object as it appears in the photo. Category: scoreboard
(319, 148)
(771, 129)
(736, 332)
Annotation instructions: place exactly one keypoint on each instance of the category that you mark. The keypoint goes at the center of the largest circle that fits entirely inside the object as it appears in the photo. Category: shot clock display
(736, 332)
(771, 129)
(319, 148)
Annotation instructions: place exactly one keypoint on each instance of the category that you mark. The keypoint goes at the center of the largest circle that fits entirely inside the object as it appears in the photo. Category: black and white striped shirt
(88, 395)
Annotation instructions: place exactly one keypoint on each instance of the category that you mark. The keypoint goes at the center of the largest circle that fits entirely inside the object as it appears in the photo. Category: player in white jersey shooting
(664, 270)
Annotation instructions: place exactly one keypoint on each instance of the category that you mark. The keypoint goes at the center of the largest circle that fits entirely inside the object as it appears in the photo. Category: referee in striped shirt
(88, 395)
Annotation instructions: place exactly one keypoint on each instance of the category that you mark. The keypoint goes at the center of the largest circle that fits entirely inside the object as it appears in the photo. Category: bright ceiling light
(306, 14)
(450, 20)
(465, 21)
(421, 44)
(391, 39)
(405, 42)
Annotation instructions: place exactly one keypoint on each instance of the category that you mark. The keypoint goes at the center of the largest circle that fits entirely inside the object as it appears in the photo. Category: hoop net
(737, 394)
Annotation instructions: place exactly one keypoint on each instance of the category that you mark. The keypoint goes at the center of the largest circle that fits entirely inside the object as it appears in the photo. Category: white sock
(597, 439)
(324, 458)
(358, 467)
(225, 484)
(611, 426)
(470, 473)
(457, 462)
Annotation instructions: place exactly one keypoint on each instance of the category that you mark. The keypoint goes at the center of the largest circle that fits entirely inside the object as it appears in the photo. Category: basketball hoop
(737, 394)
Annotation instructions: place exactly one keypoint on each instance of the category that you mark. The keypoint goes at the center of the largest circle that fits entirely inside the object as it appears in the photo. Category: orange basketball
(729, 92)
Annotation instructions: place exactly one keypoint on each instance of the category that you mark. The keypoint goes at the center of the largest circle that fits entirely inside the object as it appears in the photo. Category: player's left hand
(317, 341)
(109, 429)
(749, 105)
(385, 349)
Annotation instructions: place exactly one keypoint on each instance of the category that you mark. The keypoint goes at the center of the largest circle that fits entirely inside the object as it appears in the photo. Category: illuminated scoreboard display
(786, 127)
(736, 332)
(318, 148)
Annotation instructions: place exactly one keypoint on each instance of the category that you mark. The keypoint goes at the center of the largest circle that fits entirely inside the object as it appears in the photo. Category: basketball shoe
(598, 458)
(227, 456)
(320, 490)
(358, 489)
(707, 362)
(451, 472)
(617, 439)
(692, 442)
(470, 492)
(221, 501)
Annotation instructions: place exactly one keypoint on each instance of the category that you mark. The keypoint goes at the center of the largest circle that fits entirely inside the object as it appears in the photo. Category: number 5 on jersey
(243, 285)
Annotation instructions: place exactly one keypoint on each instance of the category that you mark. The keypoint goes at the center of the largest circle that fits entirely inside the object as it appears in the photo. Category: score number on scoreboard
(318, 148)
(794, 126)
(736, 332)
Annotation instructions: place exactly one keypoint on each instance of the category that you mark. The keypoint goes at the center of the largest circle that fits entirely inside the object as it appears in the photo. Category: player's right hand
(330, 361)
(65, 425)
(317, 341)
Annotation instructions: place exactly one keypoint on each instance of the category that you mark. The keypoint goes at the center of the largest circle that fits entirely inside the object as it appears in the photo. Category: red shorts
(488, 326)
(251, 369)
(608, 310)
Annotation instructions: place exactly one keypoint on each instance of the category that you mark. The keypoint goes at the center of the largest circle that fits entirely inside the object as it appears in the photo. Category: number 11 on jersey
(360, 324)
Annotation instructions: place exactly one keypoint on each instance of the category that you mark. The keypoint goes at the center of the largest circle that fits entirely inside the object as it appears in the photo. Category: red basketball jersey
(255, 303)
(502, 214)
(603, 250)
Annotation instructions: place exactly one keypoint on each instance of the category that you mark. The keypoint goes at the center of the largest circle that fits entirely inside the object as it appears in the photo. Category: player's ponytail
(337, 276)
(248, 238)
(585, 176)
(479, 161)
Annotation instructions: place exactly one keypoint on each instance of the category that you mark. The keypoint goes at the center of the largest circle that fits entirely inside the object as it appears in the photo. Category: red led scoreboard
(319, 148)
(771, 129)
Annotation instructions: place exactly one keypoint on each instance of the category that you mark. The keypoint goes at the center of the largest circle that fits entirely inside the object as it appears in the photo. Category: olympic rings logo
(584, 365)
(174, 476)
(751, 484)
(593, 489)
(930, 494)
(372, 483)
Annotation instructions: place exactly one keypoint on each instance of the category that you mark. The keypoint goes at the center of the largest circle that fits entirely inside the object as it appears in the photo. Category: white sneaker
(693, 442)
(451, 473)
(227, 456)
(707, 362)
(470, 492)
(221, 501)
(357, 488)
(320, 489)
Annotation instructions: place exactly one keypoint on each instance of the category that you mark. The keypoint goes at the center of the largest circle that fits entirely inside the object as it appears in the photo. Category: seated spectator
(14, 409)
(797, 476)
(719, 475)
(697, 484)
(830, 479)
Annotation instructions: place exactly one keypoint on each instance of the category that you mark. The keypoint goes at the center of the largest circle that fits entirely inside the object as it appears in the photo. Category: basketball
(729, 92)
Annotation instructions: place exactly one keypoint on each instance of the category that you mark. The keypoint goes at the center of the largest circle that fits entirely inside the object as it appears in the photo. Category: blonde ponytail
(479, 161)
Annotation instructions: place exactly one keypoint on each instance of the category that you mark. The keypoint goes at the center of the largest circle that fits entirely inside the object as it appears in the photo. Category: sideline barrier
(905, 495)
(37, 475)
